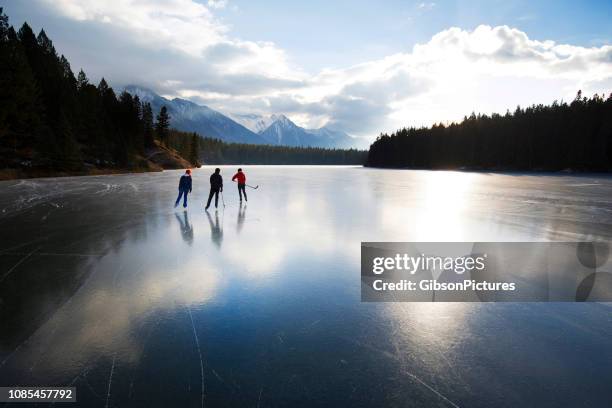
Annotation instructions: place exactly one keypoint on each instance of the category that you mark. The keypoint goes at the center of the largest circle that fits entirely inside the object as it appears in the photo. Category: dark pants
(215, 192)
(178, 199)
(241, 191)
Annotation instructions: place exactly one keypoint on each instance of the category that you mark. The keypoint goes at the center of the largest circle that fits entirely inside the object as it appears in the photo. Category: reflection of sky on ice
(284, 265)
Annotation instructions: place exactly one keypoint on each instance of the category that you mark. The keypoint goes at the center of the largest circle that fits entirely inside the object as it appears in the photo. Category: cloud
(510, 48)
(181, 48)
(217, 4)
(426, 5)
(363, 105)
(181, 24)
(356, 115)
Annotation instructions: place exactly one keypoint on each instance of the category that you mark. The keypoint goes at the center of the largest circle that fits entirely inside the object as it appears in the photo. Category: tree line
(51, 119)
(215, 151)
(575, 135)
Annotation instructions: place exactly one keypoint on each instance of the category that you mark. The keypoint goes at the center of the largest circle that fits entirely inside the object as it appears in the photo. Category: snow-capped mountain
(282, 131)
(243, 128)
(253, 122)
(190, 117)
(278, 129)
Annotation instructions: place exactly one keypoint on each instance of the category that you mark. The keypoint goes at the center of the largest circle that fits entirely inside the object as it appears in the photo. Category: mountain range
(275, 129)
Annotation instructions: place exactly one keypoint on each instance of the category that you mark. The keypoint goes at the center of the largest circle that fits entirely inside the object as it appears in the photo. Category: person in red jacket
(241, 178)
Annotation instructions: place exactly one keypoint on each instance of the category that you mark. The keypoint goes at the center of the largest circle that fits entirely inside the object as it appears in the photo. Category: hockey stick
(254, 188)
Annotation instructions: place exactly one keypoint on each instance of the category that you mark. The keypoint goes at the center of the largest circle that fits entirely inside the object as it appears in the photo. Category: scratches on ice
(408, 373)
(21, 245)
(11, 354)
(110, 381)
(107, 188)
(80, 376)
(26, 184)
(54, 207)
(432, 389)
(231, 386)
(197, 342)
(218, 376)
(22, 260)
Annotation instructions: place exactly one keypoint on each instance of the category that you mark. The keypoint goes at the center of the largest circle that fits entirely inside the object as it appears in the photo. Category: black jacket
(216, 181)
(185, 183)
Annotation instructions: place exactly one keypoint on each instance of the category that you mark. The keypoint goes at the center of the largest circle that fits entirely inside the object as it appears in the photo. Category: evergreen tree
(559, 136)
(194, 150)
(20, 108)
(46, 44)
(50, 119)
(67, 151)
(215, 151)
(82, 80)
(67, 72)
(90, 129)
(103, 87)
(139, 140)
(147, 124)
(162, 125)
(4, 26)
(106, 110)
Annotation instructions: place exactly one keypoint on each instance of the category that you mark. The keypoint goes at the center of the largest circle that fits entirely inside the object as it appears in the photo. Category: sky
(364, 67)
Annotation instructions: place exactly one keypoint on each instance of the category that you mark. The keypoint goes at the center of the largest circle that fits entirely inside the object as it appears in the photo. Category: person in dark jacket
(216, 186)
(184, 188)
(241, 178)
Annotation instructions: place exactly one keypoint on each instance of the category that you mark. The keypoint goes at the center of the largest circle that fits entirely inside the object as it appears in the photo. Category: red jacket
(240, 176)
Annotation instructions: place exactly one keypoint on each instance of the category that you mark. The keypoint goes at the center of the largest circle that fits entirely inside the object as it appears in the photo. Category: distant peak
(138, 88)
(280, 117)
(184, 102)
(282, 120)
(145, 94)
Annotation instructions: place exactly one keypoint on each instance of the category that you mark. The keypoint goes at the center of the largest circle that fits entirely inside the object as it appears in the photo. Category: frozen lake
(106, 287)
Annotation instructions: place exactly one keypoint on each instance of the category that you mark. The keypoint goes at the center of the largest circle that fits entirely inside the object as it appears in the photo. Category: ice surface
(107, 287)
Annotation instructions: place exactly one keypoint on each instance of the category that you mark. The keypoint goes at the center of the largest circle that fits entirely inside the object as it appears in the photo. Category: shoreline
(20, 174)
(534, 172)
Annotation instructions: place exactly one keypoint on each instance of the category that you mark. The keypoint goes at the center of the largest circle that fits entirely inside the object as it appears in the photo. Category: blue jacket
(185, 183)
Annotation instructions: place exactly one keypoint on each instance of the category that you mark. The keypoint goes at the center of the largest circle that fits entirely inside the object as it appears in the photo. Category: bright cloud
(218, 4)
(182, 24)
(180, 48)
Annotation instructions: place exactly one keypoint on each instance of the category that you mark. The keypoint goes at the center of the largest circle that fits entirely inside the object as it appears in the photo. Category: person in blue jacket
(184, 188)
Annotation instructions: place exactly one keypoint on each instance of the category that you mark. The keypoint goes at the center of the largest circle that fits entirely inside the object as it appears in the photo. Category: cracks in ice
(110, 381)
(197, 342)
(18, 263)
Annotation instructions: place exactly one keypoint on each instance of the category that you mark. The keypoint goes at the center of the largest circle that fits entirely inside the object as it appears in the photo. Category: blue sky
(339, 33)
(360, 66)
